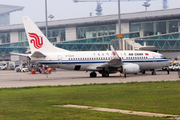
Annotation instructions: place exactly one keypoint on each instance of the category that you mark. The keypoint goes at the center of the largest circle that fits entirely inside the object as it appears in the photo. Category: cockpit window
(163, 57)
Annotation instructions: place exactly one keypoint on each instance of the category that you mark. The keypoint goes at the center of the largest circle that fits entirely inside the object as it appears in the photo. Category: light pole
(46, 18)
(119, 17)
(119, 22)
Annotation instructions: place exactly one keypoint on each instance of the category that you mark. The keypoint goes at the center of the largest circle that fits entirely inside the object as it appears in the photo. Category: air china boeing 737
(104, 62)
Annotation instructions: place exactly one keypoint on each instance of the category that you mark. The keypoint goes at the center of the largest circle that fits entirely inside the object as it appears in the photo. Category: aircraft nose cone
(169, 61)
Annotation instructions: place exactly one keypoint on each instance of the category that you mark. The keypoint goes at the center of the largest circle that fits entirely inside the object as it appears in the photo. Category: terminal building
(159, 28)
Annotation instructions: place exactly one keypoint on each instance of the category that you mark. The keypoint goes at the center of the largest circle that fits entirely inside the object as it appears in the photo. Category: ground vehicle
(176, 66)
(171, 67)
(3, 66)
(21, 68)
(24, 69)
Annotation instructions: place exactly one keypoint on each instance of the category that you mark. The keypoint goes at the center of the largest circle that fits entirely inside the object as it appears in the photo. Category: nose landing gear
(153, 72)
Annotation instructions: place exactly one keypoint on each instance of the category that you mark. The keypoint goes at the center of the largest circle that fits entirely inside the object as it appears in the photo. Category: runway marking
(123, 111)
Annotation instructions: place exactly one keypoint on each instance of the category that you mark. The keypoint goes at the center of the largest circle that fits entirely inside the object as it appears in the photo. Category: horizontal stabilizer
(38, 54)
(20, 54)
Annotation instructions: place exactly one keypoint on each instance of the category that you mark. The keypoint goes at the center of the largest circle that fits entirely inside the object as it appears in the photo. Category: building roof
(126, 17)
(9, 8)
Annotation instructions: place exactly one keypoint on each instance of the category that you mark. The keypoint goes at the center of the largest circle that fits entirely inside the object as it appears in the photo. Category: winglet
(115, 62)
(114, 53)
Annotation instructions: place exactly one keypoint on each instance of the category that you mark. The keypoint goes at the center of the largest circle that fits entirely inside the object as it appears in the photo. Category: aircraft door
(59, 57)
(154, 57)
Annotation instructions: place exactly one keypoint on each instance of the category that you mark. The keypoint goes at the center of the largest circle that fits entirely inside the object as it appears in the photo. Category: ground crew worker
(168, 70)
(124, 73)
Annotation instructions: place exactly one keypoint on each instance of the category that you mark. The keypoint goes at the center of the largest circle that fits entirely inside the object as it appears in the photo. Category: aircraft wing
(112, 63)
(115, 62)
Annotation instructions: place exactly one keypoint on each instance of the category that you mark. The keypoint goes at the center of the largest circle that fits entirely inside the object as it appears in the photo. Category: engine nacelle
(131, 68)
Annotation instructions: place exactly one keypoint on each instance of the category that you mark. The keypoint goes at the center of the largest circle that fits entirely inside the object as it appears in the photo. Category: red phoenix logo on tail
(37, 40)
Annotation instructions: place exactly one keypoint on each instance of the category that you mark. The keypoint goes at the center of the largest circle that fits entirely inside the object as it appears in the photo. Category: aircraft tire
(93, 74)
(143, 72)
(105, 74)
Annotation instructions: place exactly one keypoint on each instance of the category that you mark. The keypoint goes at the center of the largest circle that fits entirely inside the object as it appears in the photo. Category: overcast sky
(65, 9)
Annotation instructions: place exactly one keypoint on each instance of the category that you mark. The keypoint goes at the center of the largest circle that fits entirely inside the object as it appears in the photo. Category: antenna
(146, 4)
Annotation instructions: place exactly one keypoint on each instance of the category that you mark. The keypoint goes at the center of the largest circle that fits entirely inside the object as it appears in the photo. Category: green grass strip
(37, 102)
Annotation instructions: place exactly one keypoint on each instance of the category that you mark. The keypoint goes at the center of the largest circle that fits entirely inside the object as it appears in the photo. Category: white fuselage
(89, 60)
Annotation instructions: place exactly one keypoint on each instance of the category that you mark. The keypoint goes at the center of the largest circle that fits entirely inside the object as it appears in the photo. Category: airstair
(132, 43)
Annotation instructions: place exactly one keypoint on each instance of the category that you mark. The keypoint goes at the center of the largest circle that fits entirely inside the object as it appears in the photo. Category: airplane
(104, 62)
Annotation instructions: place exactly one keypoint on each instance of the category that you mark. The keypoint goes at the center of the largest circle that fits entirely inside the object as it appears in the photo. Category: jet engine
(130, 68)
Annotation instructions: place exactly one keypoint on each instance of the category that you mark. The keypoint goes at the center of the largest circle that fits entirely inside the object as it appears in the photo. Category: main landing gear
(153, 72)
(143, 72)
(105, 73)
(93, 74)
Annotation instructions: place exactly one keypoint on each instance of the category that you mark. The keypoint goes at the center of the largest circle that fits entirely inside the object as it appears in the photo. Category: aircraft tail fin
(36, 39)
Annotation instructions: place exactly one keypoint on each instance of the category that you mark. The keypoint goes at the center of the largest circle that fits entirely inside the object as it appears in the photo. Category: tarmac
(10, 78)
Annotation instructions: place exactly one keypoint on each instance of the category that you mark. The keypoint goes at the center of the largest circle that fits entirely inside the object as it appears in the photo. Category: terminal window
(156, 27)
(95, 31)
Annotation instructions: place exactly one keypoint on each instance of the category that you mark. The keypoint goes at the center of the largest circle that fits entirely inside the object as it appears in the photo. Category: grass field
(37, 102)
